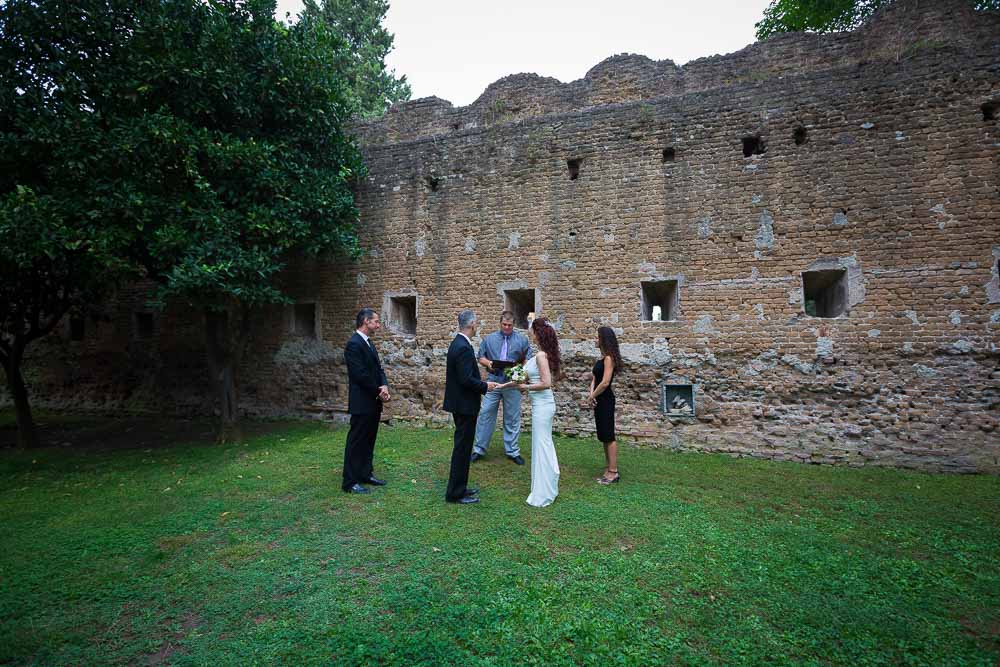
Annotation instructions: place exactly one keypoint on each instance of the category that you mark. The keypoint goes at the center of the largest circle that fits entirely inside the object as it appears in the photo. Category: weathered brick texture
(880, 160)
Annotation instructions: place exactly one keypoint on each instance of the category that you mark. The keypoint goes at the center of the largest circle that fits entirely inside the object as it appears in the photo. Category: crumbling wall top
(893, 34)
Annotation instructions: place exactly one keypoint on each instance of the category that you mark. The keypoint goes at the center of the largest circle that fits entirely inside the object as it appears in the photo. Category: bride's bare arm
(545, 376)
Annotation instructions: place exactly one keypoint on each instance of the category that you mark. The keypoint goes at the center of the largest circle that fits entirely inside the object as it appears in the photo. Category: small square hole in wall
(521, 302)
(659, 300)
(573, 165)
(669, 154)
(800, 135)
(76, 328)
(403, 314)
(304, 323)
(989, 110)
(677, 400)
(824, 293)
(754, 145)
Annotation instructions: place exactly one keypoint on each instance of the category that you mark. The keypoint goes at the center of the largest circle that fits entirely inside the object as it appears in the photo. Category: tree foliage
(364, 44)
(199, 143)
(826, 15)
(57, 252)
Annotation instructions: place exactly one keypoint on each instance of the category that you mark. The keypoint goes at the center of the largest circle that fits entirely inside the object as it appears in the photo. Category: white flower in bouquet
(516, 374)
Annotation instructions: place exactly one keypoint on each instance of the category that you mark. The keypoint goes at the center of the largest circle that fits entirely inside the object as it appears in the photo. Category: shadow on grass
(86, 430)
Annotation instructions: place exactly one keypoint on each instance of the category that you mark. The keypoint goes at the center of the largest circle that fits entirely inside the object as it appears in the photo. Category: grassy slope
(197, 554)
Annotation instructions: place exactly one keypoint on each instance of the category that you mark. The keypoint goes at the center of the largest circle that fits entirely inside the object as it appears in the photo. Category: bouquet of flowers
(516, 374)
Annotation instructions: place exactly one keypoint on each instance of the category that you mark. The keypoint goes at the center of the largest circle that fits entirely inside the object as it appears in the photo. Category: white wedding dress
(544, 465)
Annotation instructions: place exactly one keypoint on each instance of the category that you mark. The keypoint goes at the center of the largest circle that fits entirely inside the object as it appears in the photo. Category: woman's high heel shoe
(605, 481)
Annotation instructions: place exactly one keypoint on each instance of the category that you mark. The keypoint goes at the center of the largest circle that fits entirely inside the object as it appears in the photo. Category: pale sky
(454, 49)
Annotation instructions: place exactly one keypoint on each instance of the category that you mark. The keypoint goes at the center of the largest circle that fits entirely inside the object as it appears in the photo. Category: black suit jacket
(463, 388)
(365, 375)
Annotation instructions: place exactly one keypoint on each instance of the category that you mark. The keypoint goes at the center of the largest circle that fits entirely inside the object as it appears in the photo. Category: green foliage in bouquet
(516, 373)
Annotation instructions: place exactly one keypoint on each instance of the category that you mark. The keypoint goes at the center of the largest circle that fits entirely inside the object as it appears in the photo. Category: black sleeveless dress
(604, 411)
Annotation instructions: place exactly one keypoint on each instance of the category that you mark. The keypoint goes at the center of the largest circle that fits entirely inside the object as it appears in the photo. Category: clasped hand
(383, 394)
(500, 386)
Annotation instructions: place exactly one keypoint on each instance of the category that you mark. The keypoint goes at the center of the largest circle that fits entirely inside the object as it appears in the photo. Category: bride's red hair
(545, 333)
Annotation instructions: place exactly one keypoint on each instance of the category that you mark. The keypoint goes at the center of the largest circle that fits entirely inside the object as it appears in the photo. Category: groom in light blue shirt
(503, 345)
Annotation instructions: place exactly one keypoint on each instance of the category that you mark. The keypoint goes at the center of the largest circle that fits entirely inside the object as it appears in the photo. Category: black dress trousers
(465, 434)
(360, 449)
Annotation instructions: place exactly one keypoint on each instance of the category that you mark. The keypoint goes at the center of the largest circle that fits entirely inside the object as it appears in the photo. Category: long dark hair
(548, 342)
(608, 342)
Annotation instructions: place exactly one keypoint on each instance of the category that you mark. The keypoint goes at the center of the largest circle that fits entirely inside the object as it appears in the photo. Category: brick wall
(873, 160)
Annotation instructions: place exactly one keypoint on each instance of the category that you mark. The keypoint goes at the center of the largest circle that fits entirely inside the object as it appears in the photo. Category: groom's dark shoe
(471, 491)
(519, 460)
(465, 500)
(374, 481)
(356, 488)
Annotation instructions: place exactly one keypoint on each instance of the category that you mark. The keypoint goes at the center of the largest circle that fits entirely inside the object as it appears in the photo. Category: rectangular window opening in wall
(521, 302)
(669, 154)
(824, 293)
(76, 328)
(677, 400)
(574, 168)
(304, 323)
(403, 314)
(659, 300)
(143, 324)
(754, 145)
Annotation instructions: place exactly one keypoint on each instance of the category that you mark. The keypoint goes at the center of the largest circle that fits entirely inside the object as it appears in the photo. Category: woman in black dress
(602, 399)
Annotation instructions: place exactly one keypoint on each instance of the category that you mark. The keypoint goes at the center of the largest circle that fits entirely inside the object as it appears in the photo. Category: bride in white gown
(541, 369)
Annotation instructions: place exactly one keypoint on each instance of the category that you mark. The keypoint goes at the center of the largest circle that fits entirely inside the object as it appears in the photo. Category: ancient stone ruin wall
(851, 175)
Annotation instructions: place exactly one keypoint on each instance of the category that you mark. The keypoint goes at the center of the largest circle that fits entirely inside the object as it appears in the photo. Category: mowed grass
(196, 553)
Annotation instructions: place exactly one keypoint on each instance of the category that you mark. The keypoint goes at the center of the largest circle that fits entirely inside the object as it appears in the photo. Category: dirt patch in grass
(174, 543)
(171, 645)
(986, 632)
(161, 657)
(239, 554)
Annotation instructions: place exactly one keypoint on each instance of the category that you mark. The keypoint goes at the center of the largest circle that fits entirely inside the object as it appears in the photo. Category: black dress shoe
(357, 488)
(466, 500)
(375, 481)
(471, 491)
(475, 457)
(519, 460)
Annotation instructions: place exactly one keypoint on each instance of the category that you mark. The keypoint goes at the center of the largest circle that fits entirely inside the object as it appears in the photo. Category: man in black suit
(463, 391)
(368, 390)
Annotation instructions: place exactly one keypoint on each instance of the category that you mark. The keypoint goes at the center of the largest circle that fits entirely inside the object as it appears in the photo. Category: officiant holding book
(499, 350)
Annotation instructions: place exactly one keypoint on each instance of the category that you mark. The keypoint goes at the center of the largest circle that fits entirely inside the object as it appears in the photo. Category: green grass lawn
(200, 554)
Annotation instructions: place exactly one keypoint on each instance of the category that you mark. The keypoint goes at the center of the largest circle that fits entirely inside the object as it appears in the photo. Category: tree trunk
(221, 364)
(27, 432)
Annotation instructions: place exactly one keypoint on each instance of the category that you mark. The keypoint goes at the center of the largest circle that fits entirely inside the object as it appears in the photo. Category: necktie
(503, 350)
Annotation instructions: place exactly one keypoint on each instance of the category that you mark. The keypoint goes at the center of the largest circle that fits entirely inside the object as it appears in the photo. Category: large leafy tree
(364, 44)
(826, 15)
(245, 119)
(57, 252)
(213, 149)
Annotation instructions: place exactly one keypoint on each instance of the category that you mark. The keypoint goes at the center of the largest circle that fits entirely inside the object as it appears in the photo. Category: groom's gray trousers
(488, 420)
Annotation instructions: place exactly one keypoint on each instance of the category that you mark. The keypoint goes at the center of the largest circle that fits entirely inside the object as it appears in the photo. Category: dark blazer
(463, 388)
(365, 375)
